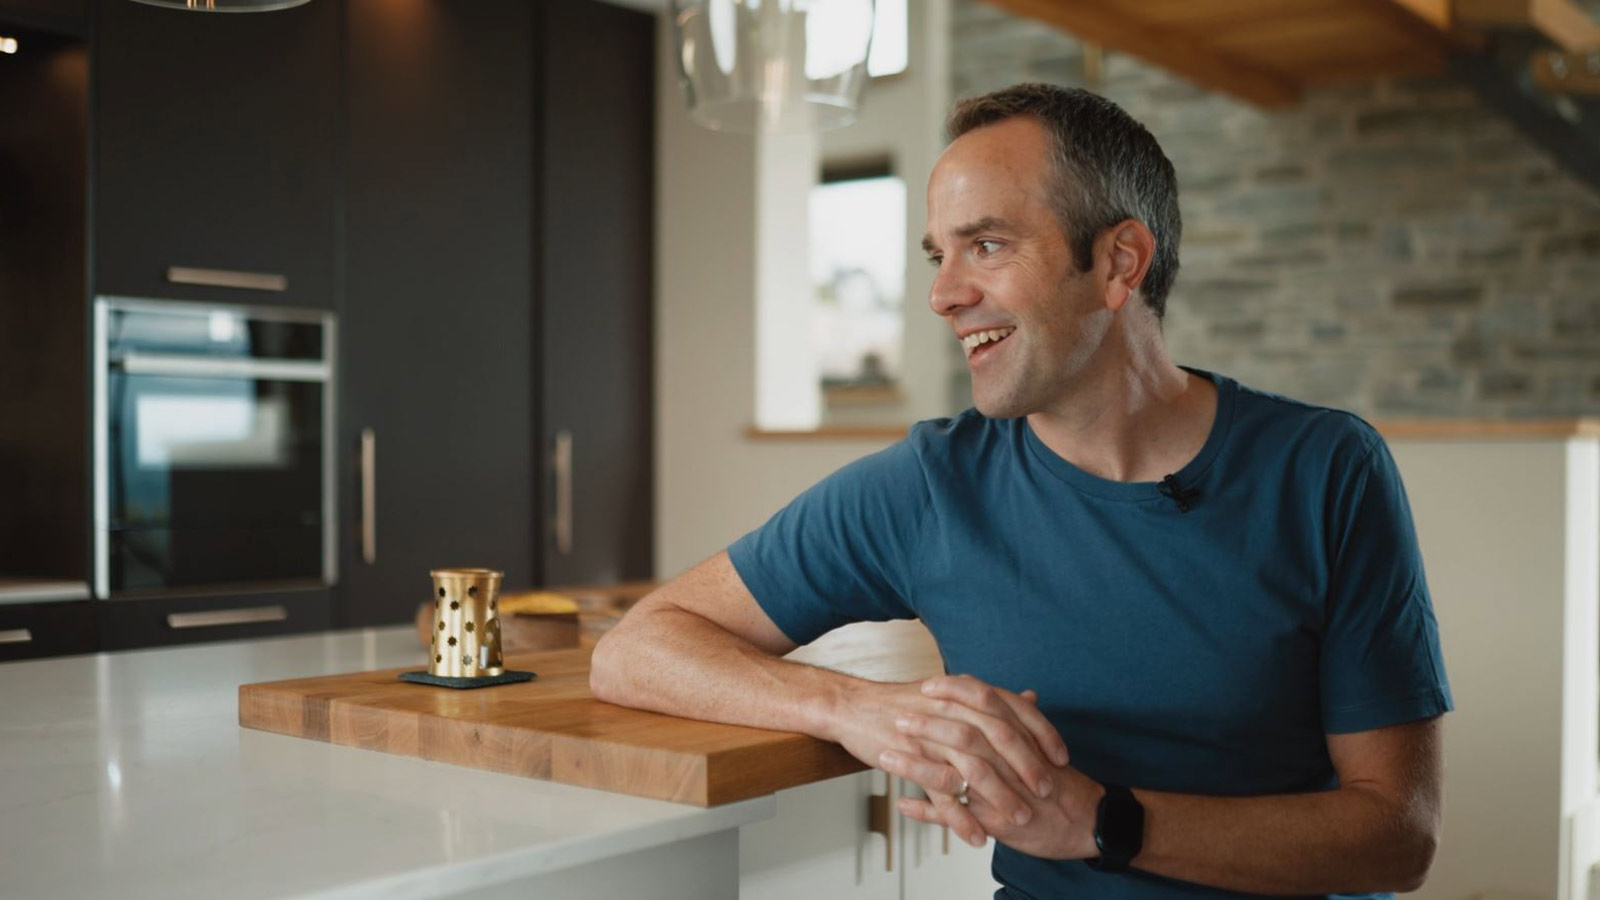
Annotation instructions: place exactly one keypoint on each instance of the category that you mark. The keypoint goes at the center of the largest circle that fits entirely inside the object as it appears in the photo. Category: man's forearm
(670, 660)
(1340, 841)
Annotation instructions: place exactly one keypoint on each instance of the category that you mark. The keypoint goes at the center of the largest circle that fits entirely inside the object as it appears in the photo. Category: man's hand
(1048, 812)
(871, 722)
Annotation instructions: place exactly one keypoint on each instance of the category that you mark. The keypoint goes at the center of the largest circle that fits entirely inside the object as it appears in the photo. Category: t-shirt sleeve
(1380, 662)
(842, 551)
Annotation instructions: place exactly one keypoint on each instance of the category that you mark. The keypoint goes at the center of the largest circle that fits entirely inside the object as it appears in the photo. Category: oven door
(216, 472)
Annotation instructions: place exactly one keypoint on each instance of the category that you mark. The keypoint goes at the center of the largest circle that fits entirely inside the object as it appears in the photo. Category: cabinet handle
(369, 496)
(16, 636)
(881, 819)
(249, 281)
(214, 618)
(562, 461)
(258, 369)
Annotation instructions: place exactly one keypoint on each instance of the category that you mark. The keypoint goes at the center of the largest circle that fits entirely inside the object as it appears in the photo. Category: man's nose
(952, 289)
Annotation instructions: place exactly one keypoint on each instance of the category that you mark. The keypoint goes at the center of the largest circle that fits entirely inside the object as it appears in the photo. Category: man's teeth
(973, 341)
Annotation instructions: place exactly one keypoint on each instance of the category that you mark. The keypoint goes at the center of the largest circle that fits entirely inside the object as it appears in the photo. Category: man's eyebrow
(987, 223)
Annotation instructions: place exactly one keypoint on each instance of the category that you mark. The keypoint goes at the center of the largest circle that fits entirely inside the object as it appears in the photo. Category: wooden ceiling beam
(1569, 27)
(1568, 73)
(1177, 54)
(1436, 13)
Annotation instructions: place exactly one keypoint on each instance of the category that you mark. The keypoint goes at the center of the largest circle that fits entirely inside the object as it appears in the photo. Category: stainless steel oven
(213, 448)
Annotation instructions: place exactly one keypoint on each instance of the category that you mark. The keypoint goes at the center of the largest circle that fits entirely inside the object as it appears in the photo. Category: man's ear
(1128, 248)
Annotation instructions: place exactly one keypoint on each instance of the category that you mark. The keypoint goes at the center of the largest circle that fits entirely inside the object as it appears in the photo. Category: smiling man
(1192, 646)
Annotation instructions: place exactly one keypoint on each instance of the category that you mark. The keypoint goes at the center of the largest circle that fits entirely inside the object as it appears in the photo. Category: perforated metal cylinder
(466, 629)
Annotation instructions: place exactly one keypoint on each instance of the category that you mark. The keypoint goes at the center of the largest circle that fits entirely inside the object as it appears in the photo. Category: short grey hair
(1107, 168)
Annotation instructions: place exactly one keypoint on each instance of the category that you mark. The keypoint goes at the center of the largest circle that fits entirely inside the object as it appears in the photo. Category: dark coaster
(506, 677)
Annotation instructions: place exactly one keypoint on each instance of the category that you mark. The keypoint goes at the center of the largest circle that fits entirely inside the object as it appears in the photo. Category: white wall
(712, 483)
(902, 117)
(1491, 521)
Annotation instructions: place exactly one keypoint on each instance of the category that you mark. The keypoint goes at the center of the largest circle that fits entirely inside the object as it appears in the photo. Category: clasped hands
(1021, 789)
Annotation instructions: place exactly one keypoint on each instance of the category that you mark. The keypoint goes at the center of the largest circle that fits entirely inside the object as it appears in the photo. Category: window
(858, 269)
(889, 33)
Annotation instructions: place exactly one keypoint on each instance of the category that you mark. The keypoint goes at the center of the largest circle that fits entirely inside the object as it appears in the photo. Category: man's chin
(992, 407)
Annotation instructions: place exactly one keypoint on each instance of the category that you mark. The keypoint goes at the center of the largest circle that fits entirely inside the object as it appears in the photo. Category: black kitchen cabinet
(594, 277)
(498, 296)
(44, 360)
(56, 17)
(466, 184)
(216, 145)
(437, 329)
(31, 630)
(163, 621)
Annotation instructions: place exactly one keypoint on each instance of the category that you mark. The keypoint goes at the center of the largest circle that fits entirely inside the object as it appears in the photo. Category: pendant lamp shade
(773, 66)
(225, 5)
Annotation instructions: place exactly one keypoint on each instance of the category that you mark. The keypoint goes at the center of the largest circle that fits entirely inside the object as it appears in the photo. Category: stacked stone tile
(1392, 248)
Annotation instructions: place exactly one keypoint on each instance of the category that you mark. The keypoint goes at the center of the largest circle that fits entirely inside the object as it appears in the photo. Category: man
(1195, 643)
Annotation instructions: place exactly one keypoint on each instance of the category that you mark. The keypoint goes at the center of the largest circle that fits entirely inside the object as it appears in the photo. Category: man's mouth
(980, 343)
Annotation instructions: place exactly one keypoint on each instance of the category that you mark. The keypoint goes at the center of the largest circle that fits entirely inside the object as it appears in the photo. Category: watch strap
(1118, 829)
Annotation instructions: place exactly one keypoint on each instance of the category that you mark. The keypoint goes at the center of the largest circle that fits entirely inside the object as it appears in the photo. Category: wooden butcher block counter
(553, 728)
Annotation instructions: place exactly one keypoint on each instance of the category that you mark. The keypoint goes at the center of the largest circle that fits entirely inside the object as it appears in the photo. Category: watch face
(1120, 829)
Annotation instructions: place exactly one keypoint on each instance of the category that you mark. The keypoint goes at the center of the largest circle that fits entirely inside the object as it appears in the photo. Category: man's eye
(988, 247)
(934, 261)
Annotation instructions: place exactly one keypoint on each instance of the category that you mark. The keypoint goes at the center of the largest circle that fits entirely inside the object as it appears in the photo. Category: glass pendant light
(773, 66)
(226, 5)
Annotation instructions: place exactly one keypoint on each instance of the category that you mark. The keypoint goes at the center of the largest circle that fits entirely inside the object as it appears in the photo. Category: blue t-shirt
(1206, 652)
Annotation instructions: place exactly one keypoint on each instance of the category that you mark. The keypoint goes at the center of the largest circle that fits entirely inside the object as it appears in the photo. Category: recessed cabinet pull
(369, 496)
(183, 366)
(249, 281)
(562, 461)
(881, 819)
(16, 636)
(214, 618)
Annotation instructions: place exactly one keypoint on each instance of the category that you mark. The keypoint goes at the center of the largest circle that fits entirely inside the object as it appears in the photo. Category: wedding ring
(961, 796)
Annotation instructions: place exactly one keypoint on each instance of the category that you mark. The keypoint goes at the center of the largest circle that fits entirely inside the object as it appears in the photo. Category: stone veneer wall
(1391, 248)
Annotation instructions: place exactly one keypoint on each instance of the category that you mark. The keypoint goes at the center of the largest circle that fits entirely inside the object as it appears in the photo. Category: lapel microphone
(1169, 488)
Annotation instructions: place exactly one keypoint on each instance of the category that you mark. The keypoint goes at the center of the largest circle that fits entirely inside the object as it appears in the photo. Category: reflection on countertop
(126, 775)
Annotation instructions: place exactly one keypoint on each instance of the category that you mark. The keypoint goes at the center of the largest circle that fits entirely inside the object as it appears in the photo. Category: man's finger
(1024, 707)
(932, 775)
(960, 819)
(964, 745)
(919, 809)
(958, 726)
(1024, 716)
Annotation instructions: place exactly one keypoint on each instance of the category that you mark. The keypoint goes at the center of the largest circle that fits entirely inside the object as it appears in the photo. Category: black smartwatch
(1118, 829)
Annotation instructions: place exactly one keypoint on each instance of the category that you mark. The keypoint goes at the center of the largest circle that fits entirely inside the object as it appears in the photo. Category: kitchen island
(126, 775)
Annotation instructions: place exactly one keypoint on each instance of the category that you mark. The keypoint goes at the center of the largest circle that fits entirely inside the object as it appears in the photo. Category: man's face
(1004, 265)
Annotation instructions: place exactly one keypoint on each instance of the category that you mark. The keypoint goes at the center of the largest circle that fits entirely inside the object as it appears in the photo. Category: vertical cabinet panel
(594, 246)
(818, 845)
(216, 148)
(940, 867)
(44, 452)
(437, 330)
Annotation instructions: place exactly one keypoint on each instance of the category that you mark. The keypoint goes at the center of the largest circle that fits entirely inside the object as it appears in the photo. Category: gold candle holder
(466, 631)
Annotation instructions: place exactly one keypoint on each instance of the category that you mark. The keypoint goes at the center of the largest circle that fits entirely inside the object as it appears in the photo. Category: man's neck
(1131, 419)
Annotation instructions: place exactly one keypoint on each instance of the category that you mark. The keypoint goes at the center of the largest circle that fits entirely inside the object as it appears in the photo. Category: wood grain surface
(552, 728)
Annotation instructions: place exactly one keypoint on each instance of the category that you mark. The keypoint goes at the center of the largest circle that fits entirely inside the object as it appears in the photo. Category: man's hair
(1106, 168)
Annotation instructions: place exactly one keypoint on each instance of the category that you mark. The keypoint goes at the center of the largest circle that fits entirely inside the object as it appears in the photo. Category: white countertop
(126, 775)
